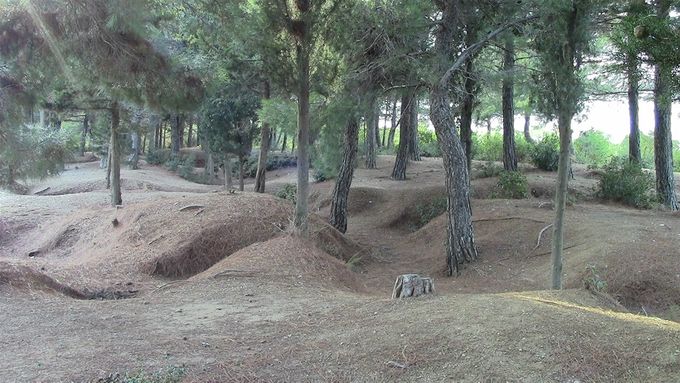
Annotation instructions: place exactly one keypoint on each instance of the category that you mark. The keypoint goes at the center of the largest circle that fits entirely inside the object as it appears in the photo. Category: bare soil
(191, 275)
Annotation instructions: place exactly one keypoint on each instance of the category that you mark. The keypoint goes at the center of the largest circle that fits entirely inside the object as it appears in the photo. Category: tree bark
(228, 182)
(83, 135)
(175, 135)
(338, 217)
(527, 127)
(663, 142)
(241, 174)
(261, 176)
(564, 123)
(634, 155)
(134, 161)
(371, 141)
(509, 155)
(401, 162)
(376, 121)
(393, 125)
(190, 133)
(384, 131)
(116, 198)
(302, 58)
(467, 110)
(285, 142)
(413, 147)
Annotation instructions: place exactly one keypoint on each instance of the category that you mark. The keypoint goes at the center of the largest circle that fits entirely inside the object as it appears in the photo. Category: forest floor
(192, 277)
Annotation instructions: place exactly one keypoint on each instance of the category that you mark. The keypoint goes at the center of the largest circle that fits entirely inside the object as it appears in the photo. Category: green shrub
(593, 148)
(488, 147)
(627, 183)
(288, 192)
(511, 185)
(490, 169)
(158, 157)
(593, 281)
(546, 153)
(427, 211)
(523, 148)
(427, 143)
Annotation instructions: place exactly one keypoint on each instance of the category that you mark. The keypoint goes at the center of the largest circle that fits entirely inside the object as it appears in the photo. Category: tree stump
(412, 285)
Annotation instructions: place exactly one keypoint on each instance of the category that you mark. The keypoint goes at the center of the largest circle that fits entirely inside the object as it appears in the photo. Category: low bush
(158, 157)
(288, 192)
(546, 153)
(427, 143)
(511, 185)
(627, 183)
(490, 169)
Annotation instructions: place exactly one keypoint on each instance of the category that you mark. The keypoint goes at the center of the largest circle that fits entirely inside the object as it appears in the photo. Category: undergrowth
(627, 183)
(427, 211)
(169, 375)
(511, 185)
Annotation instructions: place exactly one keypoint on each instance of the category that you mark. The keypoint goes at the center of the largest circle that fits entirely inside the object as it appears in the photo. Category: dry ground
(214, 282)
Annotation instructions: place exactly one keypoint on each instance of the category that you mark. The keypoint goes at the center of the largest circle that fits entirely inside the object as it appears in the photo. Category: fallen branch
(564, 248)
(199, 212)
(156, 239)
(540, 235)
(42, 191)
(191, 207)
(394, 364)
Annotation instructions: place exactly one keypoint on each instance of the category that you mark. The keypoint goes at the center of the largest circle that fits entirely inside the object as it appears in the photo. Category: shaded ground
(216, 283)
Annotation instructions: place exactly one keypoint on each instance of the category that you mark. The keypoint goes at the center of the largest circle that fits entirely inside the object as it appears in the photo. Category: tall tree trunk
(376, 121)
(83, 135)
(527, 127)
(509, 155)
(488, 126)
(144, 143)
(241, 174)
(371, 141)
(260, 176)
(405, 125)
(134, 161)
(564, 123)
(108, 164)
(116, 198)
(285, 142)
(634, 155)
(292, 144)
(460, 246)
(413, 145)
(338, 218)
(228, 182)
(467, 109)
(190, 134)
(384, 131)
(182, 124)
(663, 142)
(302, 58)
(393, 125)
(175, 135)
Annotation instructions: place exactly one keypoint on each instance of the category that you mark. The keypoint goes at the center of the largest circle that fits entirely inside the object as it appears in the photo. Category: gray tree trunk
(83, 135)
(338, 217)
(405, 126)
(260, 176)
(527, 127)
(509, 155)
(371, 141)
(302, 58)
(412, 286)
(134, 160)
(663, 142)
(564, 123)
(116, 198)
(241, 174)
(228, 182)
(467, 110)
(393, 125)
(634, 154)
(413, 146)
(175, 134)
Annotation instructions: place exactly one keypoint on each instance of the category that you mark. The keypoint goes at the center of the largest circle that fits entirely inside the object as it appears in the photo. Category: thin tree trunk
(488, 126)
(108, 164)
(564, 122)
(83, 135)
(302, 58)
(182, 121)
(175, 135)
(376, 121)
(228, 182)
(285, 142)
(241, 174)
(338, 218)
(190, 134)
(393, 126)
(134, 162)
(144, 143)
(260, 176)
(467, 110)
(116, 198)
(405, 125)
(509, 155)
(527, 127)
(663, 143)
(384, 131)
(634, 155)
(292, 144)
(371, 141)
(413, 145)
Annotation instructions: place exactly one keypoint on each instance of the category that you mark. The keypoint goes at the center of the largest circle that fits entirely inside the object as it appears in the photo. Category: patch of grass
(172, 374)
(511, 185)
(627, 183)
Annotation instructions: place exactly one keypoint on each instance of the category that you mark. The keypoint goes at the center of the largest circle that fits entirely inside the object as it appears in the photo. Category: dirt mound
(172, 237)
(24, 279)
(290, 259)
(364, 199)
(333, 242)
